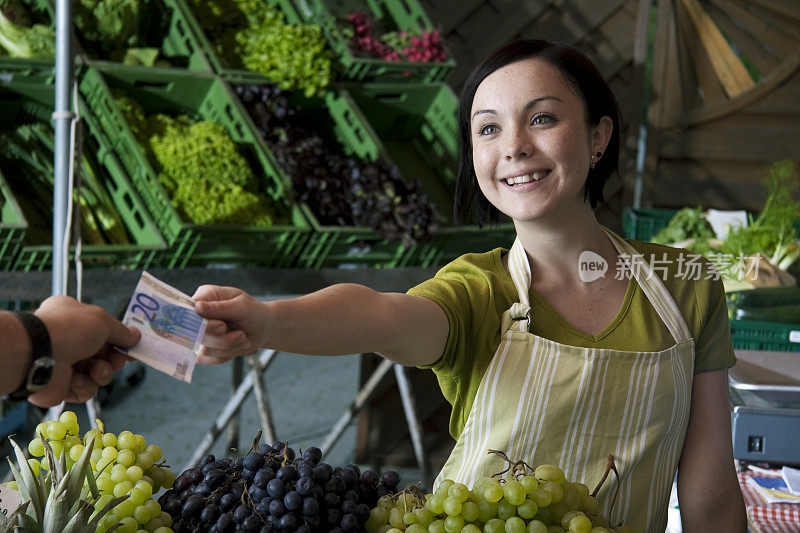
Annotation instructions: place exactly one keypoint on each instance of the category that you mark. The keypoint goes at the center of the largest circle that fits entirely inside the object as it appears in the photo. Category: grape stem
(609, 467)
(416, 493)
(255, 442)
(518, 468)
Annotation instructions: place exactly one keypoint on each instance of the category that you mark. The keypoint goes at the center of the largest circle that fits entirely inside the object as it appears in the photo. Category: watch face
(41, 373)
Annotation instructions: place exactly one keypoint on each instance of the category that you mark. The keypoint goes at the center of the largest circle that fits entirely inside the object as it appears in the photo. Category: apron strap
(653, 287)
(520, 269)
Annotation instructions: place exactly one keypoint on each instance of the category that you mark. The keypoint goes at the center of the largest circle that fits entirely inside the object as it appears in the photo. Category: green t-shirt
(475, 290)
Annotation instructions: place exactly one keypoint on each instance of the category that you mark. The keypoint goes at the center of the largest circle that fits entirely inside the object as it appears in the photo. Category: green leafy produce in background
(687, 223)
(253, 35)
(19, 37)
(201, 169)
(771, 234)
(111, 24)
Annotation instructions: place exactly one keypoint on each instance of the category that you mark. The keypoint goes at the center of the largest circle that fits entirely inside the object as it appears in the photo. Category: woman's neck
(554, 245)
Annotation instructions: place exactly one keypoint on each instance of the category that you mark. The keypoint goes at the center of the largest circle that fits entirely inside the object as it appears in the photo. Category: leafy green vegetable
(145, 57)
(38, 40)
(688, 223)
(772, 233)
(253, 35)
(201, 169)
(27, 156)
(110, 24)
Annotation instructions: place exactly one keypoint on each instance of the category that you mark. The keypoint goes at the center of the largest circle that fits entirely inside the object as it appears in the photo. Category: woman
(538, 358)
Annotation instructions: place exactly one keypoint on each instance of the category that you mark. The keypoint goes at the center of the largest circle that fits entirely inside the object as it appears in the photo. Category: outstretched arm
(340, 319)
(708, 490)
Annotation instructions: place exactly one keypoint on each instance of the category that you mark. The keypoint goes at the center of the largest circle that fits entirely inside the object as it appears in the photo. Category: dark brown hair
(584, 78)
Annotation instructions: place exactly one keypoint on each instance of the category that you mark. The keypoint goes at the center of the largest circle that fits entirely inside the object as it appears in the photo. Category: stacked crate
(400, 113)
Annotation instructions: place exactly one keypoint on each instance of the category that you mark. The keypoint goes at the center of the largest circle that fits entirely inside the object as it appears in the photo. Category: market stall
(284, 146)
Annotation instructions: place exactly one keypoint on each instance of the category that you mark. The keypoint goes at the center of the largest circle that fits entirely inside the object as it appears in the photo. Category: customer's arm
(81, 336)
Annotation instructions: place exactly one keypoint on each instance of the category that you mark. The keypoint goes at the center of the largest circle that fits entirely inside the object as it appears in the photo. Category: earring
(595, 157)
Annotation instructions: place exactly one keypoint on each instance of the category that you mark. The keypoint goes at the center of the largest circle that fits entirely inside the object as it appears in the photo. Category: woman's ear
(602, 134)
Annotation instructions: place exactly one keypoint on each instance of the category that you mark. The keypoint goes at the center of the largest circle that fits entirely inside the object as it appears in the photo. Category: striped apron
(550, 403)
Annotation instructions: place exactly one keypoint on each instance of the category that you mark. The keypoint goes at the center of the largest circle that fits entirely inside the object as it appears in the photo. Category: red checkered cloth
(766, 517)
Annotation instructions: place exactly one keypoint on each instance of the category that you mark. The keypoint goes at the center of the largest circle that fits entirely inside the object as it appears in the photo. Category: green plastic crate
(12, 226)
(338, 119)
(203, 97)
(333, 245)
(643, 224)
(31, 99)
(417, 126)
(398, 14)
(394, 15)
(170, 32)
(751, 335)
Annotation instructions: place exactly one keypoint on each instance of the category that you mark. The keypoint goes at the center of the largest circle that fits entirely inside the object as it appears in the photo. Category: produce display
(422, 46)
(253, 35)
(25, 31)
(201, 169)
(112, 26)
(340, 190)
(518, 500)
(26, 158)
(770, 238)
(274, 489)
(75, 484)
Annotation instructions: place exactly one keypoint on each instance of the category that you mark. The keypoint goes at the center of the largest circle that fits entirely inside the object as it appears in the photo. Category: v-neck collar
(630, 292)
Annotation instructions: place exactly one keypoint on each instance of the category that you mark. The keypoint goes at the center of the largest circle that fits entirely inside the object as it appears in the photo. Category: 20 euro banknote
(171, 329)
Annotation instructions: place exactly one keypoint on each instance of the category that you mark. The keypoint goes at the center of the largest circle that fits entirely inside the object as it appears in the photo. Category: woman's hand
(237, 323)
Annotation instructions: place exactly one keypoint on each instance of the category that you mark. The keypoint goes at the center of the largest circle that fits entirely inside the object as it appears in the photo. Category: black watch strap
(38, 375)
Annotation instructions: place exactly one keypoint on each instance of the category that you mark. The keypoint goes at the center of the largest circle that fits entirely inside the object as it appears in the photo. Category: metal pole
(641, 56)
(262, 400)
(229, 410)
(233, 424)
(62, 117)
(361, 399)
(414, 427)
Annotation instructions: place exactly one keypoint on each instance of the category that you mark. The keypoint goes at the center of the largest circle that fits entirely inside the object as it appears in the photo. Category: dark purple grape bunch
(271, 490)
(339, 190)
(204, 498)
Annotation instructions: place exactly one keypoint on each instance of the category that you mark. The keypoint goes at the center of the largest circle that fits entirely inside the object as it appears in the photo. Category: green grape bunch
(122, 466)
(517, 500)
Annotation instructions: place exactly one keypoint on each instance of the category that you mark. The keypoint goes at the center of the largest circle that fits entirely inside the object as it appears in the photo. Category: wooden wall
(721, 163)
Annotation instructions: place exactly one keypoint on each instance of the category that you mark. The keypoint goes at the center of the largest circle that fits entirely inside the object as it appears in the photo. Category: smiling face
(531, 143)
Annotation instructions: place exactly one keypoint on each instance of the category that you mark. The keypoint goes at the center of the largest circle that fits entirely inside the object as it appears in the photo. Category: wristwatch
(41, 369)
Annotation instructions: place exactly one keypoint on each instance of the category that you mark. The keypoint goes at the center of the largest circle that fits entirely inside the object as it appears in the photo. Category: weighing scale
(765, 398)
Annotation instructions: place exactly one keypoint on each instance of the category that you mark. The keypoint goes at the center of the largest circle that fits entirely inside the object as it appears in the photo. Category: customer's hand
(82, 336)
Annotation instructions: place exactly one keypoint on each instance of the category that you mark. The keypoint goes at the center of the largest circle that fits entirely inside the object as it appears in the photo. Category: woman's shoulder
(473, 275)
(484, 264)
